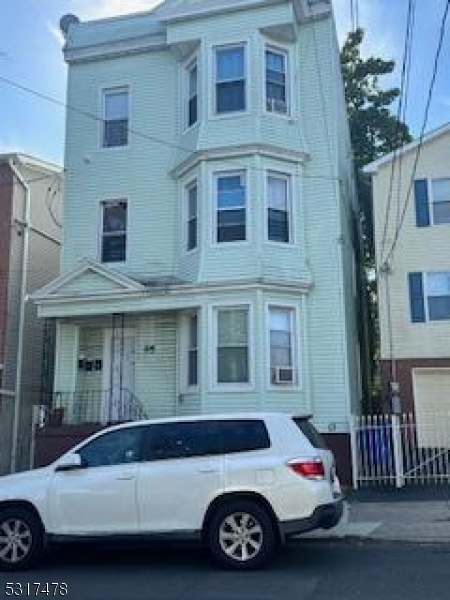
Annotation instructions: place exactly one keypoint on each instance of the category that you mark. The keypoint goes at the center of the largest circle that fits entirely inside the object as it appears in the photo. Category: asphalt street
(308, 569)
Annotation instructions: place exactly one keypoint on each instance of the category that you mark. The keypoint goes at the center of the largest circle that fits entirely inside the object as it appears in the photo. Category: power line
(403, 116)
(422, 132)
(138, 133)
(402, 100)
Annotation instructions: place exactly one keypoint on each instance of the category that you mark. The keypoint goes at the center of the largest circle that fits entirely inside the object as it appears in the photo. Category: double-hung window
(230, 207)
(230, 80)
(193, 351)
(276, 81)
(114, 231)
(192, 216)
(438, 295)
(278, 208)
(440, 196)
(115, 117)
(232, 345)
(192, 90)
(281, 339)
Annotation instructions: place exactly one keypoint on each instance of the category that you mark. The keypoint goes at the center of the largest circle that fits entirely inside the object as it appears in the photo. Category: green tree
(374, 132)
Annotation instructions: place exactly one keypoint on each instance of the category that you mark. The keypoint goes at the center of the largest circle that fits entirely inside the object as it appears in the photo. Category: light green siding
(91, 282)
(310, 145)
(156, 364)
(138, 172)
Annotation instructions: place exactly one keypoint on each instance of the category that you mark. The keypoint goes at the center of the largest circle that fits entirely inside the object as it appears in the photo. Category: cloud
(99, 9)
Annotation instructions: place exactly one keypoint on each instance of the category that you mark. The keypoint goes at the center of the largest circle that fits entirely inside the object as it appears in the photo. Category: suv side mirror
(70, 462)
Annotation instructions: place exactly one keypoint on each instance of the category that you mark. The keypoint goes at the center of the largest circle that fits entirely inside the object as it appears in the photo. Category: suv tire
(241, 535)
(21, 538)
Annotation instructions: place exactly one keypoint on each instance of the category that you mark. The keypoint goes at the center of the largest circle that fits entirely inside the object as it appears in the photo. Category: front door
(119, 356)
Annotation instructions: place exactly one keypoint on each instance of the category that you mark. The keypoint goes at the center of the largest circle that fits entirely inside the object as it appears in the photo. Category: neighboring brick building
(29, 258)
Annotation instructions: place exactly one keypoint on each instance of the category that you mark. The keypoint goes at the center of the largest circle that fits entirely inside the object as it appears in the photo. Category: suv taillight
(310, 468)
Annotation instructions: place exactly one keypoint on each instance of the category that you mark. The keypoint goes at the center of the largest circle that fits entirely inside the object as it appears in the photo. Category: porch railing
(91, 407)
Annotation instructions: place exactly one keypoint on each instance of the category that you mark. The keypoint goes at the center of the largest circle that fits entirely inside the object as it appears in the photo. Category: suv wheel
(241, 535)
(21, 538)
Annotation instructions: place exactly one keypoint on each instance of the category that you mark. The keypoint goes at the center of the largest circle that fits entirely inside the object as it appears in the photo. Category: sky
(30, 55)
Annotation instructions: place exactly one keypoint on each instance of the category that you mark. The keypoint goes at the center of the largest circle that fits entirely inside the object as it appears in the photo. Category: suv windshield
(311, 433)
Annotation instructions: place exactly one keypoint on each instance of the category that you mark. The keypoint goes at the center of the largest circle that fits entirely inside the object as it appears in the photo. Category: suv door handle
(208, 470)
(125, 477)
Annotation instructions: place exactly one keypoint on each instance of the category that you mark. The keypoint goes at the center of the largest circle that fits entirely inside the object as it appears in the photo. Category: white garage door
(432, 404)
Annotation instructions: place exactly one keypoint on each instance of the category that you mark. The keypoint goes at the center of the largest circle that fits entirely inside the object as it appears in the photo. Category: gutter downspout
(23, 285)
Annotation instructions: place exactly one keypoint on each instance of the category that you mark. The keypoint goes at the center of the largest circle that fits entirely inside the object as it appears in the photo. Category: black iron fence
(94, 406)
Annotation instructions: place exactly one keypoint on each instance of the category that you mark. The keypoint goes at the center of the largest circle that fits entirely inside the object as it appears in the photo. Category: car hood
(23, 484)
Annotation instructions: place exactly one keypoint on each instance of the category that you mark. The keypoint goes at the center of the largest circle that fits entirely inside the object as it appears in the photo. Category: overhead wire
(441, 36)
(135, 132)
(402, 101)
(403, 116)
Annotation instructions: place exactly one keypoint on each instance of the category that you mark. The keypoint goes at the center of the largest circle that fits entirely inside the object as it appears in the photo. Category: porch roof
(93, 289)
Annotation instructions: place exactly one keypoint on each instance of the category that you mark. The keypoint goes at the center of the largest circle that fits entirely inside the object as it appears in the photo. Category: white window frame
(183, 351)
(296, 346)
(187, 68)
(215, 386)
(186, 217)
(215, 210)
(191, 348)
(431, 201)
(426, 296)
(233, 113)
(101, 232)
(288, 178)
(286, 53)
(114, 89)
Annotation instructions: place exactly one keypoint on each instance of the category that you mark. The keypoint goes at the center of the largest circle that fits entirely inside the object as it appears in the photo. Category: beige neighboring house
(30, 204)
(414, 279)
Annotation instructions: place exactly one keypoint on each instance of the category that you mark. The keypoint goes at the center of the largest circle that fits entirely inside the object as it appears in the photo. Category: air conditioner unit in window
(283, 375)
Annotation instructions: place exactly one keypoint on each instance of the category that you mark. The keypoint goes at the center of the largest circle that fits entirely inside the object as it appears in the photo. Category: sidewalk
(420, 515)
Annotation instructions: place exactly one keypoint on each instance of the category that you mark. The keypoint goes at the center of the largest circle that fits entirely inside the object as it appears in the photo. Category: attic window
(114, 231)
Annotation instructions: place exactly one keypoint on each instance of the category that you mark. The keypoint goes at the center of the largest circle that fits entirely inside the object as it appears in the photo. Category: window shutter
(422, 206)
(416, 297)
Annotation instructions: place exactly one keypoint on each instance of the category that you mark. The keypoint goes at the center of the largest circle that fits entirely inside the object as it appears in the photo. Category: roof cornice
(176, 291)
(31, 161)
(372, 168)
(115, 48)
(207, 10)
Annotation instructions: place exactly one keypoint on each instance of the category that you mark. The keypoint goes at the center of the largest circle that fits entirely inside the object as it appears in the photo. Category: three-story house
(207, 256)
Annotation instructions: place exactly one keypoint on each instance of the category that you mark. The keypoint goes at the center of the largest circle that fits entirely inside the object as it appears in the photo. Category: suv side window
(244, 435)
(310, 432)
(114, 448)
(181, 440)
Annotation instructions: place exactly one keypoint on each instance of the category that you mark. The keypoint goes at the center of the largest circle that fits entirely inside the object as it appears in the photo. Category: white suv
(241, 483)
